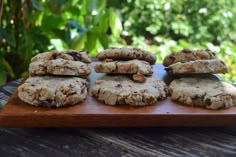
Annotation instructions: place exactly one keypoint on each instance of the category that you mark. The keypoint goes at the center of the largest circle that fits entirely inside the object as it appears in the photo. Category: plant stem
(1, 11)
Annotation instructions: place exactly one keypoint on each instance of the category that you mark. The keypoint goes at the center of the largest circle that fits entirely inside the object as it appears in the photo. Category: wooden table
(165, 142)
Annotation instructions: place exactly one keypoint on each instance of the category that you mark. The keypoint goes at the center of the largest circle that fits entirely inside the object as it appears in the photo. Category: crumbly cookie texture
(124, 67)
(59, 67)
(53, 91)
(120, 90)
(197, 67)
(188, 55)
(127, 54)
(66, 55)
(204, 92)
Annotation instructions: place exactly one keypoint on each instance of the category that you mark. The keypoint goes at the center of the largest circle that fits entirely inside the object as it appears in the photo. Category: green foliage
(30, 27)
(161, 26)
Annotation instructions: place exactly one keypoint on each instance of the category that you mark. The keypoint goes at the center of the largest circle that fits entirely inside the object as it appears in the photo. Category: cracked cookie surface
(127, 54)
(209, 93)
(121, 90)
(52, 91)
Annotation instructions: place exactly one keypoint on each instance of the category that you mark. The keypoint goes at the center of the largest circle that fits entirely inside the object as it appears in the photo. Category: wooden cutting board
(92, 113)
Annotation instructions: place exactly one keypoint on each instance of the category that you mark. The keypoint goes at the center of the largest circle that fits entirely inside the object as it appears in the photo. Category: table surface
(165, 142)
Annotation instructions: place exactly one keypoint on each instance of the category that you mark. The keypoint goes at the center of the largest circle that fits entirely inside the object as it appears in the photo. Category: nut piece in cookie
(52, 91)
(188, 55)
(198, 67)
(208, 93)
(126, 54)
(139, 78)
(121, 90)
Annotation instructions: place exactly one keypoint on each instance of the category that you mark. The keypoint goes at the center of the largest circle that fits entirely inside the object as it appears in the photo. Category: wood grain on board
(92, 113)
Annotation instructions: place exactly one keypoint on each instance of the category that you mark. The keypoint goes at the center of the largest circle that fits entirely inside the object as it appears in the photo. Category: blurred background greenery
(29, 27)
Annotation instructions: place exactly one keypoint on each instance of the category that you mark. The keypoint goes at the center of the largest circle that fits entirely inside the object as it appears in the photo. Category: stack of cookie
(199, 90)
(194, 62)
(119, 89)
(56, 79)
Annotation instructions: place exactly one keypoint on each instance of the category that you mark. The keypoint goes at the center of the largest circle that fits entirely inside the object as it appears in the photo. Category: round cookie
(53, 91)
(209, 93)
(66, 55)
(198, 67)
(127, 54)
(120, 90)
(124, 67)
(188, 55)
(59, 67)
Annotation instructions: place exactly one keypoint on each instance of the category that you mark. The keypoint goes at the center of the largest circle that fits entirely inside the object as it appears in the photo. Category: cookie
(52, 91)
(203, 92)
(59, 67)
(127, 54)
(124, 67)
(188, 55)
(121, 90)
(197, 67)
(66, 55)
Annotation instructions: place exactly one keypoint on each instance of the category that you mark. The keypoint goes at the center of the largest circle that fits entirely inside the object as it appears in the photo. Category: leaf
(6, 67)
(36, 5)
(3, 76)
(78, 42)
(104, 23)
(91, 41)
(51, 21)
(8, 36)
(115, 23)
(95, 6)
(104, 40)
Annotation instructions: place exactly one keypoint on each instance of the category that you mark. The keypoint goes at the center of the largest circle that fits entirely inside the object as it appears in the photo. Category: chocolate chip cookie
(188, 55)
(124, 67)
(52, 91)
(209, 93)
(197, 67)
(66, 55)
(121, 90)
(59, 67)
(127, 54)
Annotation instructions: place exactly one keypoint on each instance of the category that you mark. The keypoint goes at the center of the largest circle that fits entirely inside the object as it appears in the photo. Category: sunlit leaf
(115, 23)
(78, 42)
(104, 23)
(91, 41)
(95, 6)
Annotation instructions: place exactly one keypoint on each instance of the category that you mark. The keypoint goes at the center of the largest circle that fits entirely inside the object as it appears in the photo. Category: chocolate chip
(71, 94)
(186, 51)
(169, 70)
(208, 102)
(118, 85)
(71, 85)
(45, 103)
(76, 56)
(196, 97)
